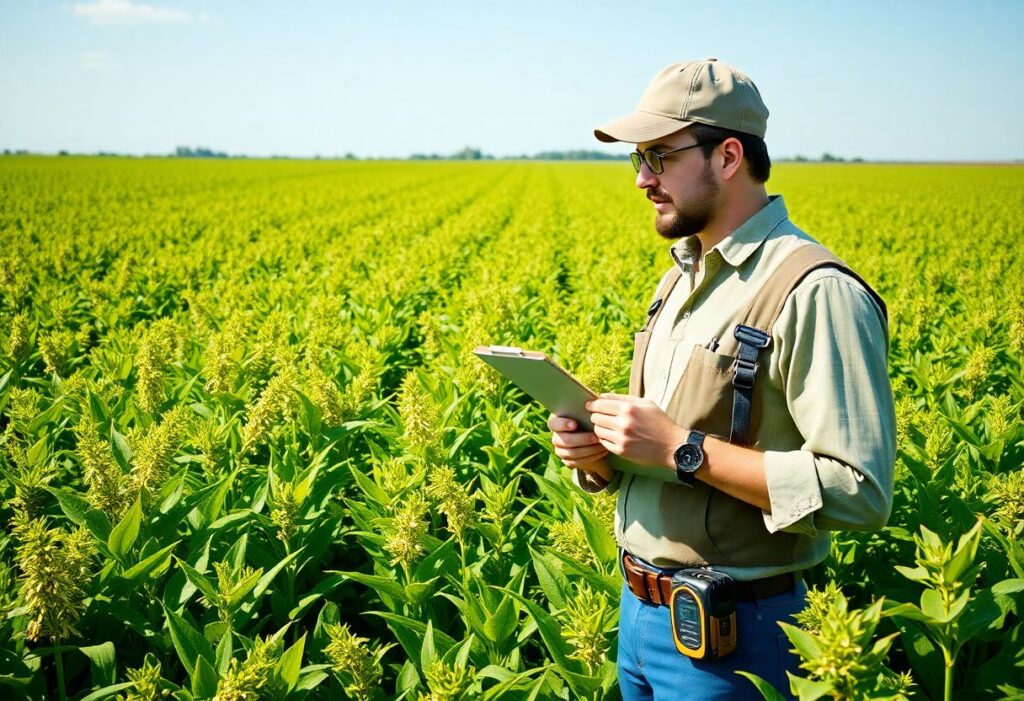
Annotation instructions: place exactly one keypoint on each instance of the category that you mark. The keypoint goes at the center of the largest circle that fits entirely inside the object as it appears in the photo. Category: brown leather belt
(656, 587)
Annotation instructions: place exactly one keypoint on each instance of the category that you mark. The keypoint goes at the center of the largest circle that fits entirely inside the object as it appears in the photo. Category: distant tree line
(469, 153)
(825, 158)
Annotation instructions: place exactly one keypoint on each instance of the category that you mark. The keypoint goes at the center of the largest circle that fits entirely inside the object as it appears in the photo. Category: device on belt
(703, 611)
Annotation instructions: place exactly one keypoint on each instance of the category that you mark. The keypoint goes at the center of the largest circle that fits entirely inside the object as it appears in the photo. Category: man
(759, 384)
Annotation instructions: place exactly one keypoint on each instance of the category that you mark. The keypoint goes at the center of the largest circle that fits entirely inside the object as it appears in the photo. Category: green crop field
(247, 453)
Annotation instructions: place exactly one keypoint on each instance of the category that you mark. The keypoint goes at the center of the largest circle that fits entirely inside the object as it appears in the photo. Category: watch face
(689, 457)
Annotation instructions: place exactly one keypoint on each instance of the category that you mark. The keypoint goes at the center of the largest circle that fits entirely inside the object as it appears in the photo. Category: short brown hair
(755, 153)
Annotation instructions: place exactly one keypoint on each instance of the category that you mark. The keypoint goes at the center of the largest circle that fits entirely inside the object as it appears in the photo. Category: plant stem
(60, 670)
(950, 658)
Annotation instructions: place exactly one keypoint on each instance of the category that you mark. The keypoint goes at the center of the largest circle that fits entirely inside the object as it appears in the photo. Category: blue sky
(879, 80)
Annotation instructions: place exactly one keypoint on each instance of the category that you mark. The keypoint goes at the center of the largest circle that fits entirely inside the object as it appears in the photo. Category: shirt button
(686, 314)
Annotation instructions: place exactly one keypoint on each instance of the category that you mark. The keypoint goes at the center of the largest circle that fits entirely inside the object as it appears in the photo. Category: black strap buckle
(750, 336)
(744, 372)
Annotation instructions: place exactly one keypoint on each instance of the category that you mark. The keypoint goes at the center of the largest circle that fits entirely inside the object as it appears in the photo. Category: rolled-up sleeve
(831, 347)
(594, 484)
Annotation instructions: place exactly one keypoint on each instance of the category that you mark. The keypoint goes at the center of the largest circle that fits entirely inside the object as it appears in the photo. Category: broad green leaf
(242, 588)
(225, 649)
(369, 487)
(385, 585)
(291, 662)
(188, 642)
(124, 533)
(154, 564)
(417, 593)
(107, 691)
(103, 662)
(39, 452)
(767, 690)
(428, 652)
(98, 409)
(312, 676)
(408, 678)
(215, 630)
(805, 643)
(212, 503)
(908, 611)
(932, 605)
(120, 449)
(324, 586)
(51, 414)
(1008, 586)
(984, 611)
(81, 513)
(410, 633)
(808, 689)
(204, 679)
(204, 585)
(502, 623)
(552, 582)
(265, 581)
(550, 632)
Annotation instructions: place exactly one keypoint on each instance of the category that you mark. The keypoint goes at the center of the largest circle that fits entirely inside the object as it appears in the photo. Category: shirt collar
(738, 246)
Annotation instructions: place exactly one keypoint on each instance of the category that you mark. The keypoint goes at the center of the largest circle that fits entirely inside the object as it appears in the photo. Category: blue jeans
(651, 669)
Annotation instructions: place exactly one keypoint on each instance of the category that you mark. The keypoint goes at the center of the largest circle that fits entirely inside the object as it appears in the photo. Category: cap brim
(638, 127)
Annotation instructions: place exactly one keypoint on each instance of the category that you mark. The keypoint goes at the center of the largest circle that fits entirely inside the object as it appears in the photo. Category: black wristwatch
(689, 457)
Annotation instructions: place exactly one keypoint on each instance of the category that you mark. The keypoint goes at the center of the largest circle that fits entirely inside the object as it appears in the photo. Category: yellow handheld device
(703, 608)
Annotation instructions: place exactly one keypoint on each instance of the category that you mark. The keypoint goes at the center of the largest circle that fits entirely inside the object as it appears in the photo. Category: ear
(732, 157)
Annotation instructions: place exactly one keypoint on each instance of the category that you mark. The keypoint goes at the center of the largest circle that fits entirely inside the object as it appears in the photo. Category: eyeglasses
(653, 158)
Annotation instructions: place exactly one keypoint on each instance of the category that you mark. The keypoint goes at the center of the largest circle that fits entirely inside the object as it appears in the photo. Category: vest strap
(665, 287)
(751, 342)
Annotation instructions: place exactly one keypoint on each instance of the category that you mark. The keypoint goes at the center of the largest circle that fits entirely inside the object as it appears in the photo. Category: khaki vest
(714, 528)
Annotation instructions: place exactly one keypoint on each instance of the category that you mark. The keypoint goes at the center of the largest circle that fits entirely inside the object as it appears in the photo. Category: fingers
(609, 405)
(610, 439)
(561, 423)
(574, 457)
(576, 439)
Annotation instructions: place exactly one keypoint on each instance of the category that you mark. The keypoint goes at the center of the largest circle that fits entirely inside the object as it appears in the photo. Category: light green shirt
(828, 351)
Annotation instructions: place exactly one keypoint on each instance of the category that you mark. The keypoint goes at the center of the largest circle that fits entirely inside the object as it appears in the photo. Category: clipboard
(557, 390)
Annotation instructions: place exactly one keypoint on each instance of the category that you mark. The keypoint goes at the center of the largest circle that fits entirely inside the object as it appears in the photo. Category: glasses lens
(635, 157)
(653, 161)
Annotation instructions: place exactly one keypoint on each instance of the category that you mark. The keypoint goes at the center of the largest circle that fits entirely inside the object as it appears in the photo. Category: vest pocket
(703, 398)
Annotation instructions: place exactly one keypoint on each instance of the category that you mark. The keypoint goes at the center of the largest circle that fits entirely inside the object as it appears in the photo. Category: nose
(646, 178)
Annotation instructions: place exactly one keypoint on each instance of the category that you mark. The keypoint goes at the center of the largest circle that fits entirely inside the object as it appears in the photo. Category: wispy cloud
(99, 61)
(127, 12)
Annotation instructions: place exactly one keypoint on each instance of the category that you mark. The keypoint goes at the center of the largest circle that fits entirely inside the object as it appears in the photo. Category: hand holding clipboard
(558, 391)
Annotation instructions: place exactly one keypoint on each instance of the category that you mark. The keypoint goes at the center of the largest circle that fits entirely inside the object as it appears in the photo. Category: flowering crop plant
(246, 451)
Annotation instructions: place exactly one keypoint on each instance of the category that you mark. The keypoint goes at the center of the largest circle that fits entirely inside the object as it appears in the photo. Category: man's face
(685, 193)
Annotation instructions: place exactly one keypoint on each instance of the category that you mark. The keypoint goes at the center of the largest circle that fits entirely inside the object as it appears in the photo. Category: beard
(692, 216)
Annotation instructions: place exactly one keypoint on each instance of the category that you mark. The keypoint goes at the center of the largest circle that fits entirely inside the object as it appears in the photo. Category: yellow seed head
(253, 679)
(155, 451)
(453, 500)
(110, 489)
(323, 392)
(18, 338)
(275, 407)
(408, 527)
(157, 349)
(54, 567)
(352, 657)
(570, 538)
(585, 624)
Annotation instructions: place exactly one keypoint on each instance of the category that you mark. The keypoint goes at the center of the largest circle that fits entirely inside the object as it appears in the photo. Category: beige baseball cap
(709, 92)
